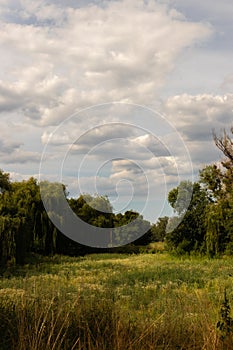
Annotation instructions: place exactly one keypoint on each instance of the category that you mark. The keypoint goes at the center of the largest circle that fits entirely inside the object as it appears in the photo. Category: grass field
(109, 301)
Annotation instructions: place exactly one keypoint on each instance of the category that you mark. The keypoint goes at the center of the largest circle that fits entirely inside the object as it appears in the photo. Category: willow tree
(214, 230)
(24, 223)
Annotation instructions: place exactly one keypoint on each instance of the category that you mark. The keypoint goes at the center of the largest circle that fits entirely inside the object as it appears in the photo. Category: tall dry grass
(115, 302)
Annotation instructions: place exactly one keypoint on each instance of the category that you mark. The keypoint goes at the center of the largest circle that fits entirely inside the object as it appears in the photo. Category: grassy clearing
(147, 301)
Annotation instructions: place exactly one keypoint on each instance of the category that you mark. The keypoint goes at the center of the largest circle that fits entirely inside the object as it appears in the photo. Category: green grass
(110, 301)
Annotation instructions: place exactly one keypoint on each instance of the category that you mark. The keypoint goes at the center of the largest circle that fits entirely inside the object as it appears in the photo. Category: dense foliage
(25, 226)
(189, 235)
(207, 225)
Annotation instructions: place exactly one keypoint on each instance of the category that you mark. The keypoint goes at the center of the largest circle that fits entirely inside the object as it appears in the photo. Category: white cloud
(123, 50)
(11, 152)
(153, 144)
(197, 115)
(21, 157)
(41, 10)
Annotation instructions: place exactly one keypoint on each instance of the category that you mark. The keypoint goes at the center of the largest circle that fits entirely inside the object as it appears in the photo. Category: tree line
(205, 227)
(25, 227)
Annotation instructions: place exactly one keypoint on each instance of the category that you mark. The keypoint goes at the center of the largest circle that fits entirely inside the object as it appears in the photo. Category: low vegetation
(116, 301)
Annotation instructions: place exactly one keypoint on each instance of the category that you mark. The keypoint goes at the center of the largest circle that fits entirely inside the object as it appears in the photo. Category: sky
(116, 98)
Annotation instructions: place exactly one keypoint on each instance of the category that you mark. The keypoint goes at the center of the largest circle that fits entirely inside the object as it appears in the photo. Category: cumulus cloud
(153, 144)
(8, 147)
(21, 157)
(195, 117)
(11, 152)
(193, 111)
(89, 55)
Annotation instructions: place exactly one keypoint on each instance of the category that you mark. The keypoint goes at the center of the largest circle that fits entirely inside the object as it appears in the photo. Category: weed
(117, 302)
(225, 324)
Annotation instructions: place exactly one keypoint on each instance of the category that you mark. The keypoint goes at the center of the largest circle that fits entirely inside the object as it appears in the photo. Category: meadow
(117, 302)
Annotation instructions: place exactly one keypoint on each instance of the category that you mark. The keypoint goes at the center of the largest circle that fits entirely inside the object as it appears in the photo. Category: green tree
(4, 181)
(16, 216)
(158, 230)
(24, 223)
(180, 197)
(211, 178)
(189, 226)
(95, 210)
(131, 227)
